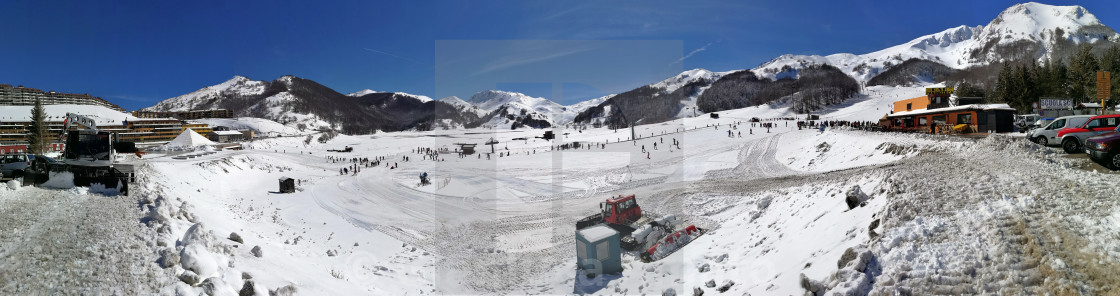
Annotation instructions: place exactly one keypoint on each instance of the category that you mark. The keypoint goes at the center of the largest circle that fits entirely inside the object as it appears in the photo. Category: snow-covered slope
(463, 105)
(491, 100)
(362, 92)
(266, 100)
(236, 86)
(422, 99)
(676, 82)
(1027, 24)
(263, 127)
(513, 107)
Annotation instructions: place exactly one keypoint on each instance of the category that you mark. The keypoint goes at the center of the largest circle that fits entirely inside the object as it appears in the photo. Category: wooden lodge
(934, 113)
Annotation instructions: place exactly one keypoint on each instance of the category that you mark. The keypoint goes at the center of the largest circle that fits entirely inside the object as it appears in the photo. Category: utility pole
(633, 135)
(1104, 87)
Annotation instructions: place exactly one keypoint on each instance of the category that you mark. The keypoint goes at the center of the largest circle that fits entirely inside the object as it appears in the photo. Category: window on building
(581, 249)
(940, 119)
(908, 106)
(965, 118)
(602, 250)
(922, 121)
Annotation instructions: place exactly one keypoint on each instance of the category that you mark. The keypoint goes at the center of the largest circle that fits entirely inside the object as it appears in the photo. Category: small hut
(287, 185)
(598, 250)
(467, 149)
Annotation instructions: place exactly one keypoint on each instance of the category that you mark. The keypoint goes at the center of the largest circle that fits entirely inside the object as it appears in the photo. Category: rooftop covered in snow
(984, 107)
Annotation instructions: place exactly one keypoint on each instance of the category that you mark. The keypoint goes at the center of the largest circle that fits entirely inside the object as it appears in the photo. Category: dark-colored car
(39, 169)
(1102, 148)
(14, 165)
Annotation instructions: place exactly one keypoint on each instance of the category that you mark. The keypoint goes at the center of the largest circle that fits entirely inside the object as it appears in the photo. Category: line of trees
(816, 86)
(1021, 84)
(911, 71)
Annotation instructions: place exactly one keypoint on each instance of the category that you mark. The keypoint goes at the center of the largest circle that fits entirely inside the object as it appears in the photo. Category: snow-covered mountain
(1023, 31)
(505, 108)
(676, 82)
(463, 105)
(362, 92)
(674, 97)
(305, 104)
(207, 97)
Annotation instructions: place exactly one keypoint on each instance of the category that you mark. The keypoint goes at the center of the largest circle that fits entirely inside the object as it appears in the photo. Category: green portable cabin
(598, 250)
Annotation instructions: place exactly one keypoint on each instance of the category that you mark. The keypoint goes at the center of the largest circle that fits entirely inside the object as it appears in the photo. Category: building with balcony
(25, 96)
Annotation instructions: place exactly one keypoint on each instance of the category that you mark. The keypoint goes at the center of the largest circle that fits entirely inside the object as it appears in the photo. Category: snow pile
(188, 140)
(67, 242)
(12, 184)
(844, 148)
(104, 189)
(59, 180)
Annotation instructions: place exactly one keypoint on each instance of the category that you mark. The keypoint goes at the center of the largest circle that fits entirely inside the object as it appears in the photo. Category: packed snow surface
(788, 211)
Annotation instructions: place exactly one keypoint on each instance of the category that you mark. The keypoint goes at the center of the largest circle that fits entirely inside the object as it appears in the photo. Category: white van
(1048, 134)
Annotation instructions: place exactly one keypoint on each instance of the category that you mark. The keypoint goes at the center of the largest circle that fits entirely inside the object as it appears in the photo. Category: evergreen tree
(1052, 79)
(36, 136)
(966, 89)
(1110, 61)
(1083, 68)
(1002, 87)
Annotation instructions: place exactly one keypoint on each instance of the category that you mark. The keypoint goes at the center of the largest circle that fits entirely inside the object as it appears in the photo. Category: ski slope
(775, 204)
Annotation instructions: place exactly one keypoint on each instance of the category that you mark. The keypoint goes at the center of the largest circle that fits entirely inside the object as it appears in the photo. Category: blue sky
(136, 53)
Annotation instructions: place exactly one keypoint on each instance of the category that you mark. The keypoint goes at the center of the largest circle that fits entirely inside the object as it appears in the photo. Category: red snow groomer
(653, 236)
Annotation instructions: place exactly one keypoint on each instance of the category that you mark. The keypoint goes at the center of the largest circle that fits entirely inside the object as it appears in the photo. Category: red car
(1101, 148)
(1073, 137)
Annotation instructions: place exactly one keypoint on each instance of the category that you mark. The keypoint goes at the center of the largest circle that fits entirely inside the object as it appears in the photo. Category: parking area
(1091, 165)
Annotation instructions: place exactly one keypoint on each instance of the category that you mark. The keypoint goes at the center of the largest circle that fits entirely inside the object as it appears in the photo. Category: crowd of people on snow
(733, 130)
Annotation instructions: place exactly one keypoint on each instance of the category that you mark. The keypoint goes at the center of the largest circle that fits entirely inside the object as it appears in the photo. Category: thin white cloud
(389, 54)
(523, 59)
(693, 52)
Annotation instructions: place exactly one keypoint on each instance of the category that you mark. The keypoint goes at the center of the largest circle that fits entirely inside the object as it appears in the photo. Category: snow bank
(844, 148)
(60, 180)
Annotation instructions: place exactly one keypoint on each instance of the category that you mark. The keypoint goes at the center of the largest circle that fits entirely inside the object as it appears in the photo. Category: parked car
(39, 170)
(1100, 148)
(1023, 122)
(13, 165)
(1039, 123)
(1048, 135)
(1072, 138)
